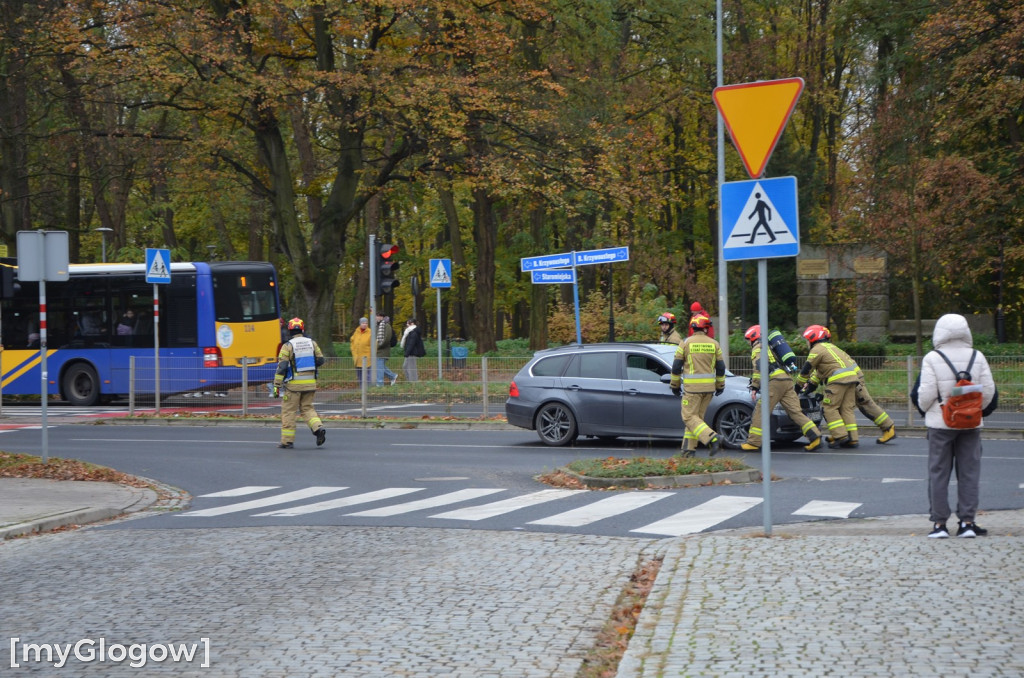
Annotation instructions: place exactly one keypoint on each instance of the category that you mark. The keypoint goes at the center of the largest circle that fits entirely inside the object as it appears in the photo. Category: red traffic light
(387, 250)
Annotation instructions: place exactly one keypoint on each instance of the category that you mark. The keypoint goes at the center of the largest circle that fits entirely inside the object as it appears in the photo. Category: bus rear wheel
(81, 385)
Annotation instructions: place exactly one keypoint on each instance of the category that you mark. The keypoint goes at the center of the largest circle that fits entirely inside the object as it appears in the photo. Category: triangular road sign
(755, 114)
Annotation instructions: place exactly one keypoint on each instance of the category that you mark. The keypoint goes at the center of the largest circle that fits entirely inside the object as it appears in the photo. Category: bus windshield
(244, 296)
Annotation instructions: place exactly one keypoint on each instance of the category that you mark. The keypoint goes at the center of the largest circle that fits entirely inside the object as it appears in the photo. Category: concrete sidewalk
(30, 505)
(856, 598)
(853, 598)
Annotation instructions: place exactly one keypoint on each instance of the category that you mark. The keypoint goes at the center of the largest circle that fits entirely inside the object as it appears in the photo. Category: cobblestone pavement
(868, 598)
(305, 601)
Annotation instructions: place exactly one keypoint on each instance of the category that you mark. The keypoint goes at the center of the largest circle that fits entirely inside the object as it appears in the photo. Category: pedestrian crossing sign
(158, 265)
(760, 219)
(440, 272)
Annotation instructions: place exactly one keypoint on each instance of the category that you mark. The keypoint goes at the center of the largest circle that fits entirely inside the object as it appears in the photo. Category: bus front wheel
(81, 385)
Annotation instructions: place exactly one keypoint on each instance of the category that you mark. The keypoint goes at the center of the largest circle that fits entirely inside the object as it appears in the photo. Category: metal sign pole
(576, 299)
(156, 343)
(766, 397)
(439, 359)
(371, 269)
(43, 375)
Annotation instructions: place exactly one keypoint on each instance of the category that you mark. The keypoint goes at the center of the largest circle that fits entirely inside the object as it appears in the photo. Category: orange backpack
(963, 407)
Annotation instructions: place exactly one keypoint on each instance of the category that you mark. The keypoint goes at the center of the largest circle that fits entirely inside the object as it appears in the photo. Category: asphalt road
(485, 480)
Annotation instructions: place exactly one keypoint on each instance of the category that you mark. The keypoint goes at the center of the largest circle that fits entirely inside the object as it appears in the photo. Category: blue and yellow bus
(212, 316)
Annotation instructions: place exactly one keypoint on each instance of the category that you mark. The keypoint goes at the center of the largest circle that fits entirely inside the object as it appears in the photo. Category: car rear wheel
(556, 425)
(732, 424)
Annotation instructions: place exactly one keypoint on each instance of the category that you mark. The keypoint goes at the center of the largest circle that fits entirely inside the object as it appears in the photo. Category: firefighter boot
(714, 446)
(815, 441)
(887, 435)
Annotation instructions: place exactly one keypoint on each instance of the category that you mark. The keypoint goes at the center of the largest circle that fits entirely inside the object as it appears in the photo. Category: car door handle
(632, 392)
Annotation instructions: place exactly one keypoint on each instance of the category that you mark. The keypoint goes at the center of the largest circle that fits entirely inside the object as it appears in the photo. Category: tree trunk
(485, 231)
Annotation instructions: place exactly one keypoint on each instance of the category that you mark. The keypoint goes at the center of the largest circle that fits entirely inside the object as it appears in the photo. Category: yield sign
(756, 113)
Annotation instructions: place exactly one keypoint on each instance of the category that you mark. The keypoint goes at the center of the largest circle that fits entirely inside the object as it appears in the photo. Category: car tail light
(211, 357)
(513, 390)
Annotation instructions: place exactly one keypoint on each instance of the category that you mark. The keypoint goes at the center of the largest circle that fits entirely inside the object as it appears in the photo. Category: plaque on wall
(869, 265)
(812, 267)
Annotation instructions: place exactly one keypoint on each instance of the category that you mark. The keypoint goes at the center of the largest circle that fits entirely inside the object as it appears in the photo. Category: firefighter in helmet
(667, 321)
(297, 365)
(830, 365)
(698, 364)
(780, 390)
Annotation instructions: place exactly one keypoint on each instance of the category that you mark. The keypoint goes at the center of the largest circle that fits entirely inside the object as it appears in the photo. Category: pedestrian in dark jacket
(412, 348)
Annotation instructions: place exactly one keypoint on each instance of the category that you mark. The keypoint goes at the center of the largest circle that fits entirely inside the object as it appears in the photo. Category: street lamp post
(103, 232)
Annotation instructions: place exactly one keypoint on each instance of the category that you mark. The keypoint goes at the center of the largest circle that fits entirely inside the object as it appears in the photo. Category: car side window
(644, 368)
(550, 367)
(599, 365)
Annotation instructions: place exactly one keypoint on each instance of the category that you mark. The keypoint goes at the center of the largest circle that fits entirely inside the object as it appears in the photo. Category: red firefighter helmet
(753, 334)
(700, 322)
(815, 333)
(667, 318)
(296, 324)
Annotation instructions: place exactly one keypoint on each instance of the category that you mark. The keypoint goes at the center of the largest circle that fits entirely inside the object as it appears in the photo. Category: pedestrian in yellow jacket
(360, 343)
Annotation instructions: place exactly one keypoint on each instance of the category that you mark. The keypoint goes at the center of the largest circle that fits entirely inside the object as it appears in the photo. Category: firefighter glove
(719, 391)
(676, 391)
(277, 391)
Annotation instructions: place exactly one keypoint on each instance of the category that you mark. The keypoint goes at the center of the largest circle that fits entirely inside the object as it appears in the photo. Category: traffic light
(387, 265)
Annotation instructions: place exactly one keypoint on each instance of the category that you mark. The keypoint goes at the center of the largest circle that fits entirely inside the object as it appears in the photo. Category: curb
(142, 498)
(694, 480)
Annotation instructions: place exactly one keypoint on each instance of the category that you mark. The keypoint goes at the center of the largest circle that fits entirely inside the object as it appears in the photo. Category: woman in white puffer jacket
(952, 337)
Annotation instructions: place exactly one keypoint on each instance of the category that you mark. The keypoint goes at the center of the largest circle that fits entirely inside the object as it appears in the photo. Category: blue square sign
(760, 219)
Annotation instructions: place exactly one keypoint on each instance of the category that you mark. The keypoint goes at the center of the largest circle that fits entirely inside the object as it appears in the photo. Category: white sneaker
(394, 379)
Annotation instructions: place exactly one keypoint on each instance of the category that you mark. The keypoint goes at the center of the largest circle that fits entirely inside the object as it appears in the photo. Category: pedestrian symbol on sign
(760, 223)
(159, 268)
(440, 273)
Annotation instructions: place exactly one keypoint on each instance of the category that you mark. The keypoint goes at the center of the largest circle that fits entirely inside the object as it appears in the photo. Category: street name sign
(564, 275)
(605, 256)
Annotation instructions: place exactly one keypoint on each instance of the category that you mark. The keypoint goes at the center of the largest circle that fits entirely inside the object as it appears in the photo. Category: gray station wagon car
(621, 390)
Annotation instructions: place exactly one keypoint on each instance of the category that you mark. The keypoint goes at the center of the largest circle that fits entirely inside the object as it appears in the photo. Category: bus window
(244, 297)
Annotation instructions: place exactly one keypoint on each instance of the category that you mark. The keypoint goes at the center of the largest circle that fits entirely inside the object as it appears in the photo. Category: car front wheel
(732, 424)
(556, 425)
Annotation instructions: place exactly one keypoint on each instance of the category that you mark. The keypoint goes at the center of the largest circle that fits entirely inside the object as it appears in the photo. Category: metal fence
(477, 387)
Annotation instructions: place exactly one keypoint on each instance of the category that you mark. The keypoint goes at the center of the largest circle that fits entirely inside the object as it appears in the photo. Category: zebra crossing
(478, 505)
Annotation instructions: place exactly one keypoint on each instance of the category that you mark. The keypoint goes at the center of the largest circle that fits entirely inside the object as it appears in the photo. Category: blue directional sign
(760, 219)
(605, 256)
(440, 272)
(567, 275)
(563, 260)
(158, 266)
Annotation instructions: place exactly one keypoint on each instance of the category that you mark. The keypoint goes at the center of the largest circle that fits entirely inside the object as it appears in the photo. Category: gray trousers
(961, 447)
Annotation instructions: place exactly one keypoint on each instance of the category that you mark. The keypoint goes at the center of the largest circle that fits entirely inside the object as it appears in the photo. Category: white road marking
(826, 509)
(343, 502)
(506, 506)
(900, 480)
(240, 491)
(297, 495)
(604, 508)
(701, 517)
(433, 502)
